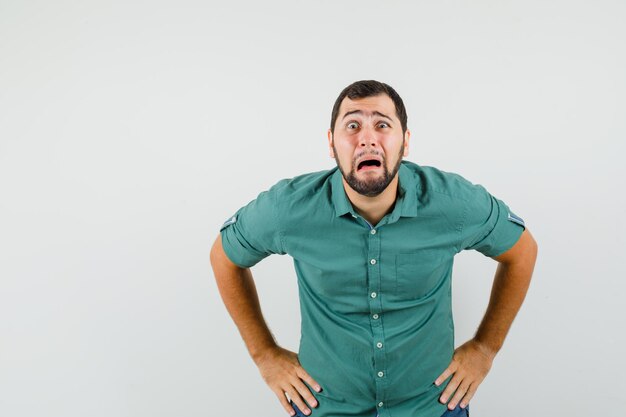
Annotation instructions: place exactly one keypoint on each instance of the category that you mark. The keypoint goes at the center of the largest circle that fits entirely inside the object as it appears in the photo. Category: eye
(383, 124)
(352, 125)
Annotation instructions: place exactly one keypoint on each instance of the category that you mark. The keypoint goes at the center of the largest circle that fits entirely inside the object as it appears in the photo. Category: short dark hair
(369, 88)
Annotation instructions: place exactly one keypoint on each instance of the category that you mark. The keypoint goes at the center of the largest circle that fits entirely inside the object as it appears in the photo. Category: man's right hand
(282, 372)
(279, 367)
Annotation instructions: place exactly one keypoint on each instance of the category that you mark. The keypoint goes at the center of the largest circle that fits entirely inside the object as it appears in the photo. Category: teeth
(369, 162)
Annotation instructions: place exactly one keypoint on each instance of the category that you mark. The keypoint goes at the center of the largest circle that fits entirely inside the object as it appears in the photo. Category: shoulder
(302, 186)
(434, 181)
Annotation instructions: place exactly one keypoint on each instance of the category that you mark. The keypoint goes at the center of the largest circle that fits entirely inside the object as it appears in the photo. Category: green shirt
(375, 301)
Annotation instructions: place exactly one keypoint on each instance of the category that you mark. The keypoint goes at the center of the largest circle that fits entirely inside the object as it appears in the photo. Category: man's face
(368, 144)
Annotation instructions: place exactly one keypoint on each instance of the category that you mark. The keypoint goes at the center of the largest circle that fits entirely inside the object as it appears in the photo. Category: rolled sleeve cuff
(506, 232)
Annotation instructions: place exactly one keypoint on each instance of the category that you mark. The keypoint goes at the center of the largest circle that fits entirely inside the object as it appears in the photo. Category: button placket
(376, 318)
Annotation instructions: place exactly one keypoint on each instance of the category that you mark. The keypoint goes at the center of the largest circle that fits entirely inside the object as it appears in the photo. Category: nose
(368, 138)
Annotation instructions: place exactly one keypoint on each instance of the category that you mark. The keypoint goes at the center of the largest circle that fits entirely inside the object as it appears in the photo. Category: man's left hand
(470, 364)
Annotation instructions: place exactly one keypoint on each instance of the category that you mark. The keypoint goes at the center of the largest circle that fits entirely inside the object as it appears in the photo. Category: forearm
(238, 292)
(472, 360)
(510, 286)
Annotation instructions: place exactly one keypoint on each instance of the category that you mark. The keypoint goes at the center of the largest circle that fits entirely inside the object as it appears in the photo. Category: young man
(373, 243)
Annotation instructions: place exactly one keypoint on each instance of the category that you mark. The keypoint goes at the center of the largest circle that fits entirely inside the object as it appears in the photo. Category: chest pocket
(418, 274)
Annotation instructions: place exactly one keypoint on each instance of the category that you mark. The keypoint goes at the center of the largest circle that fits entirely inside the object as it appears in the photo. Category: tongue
(368, 165)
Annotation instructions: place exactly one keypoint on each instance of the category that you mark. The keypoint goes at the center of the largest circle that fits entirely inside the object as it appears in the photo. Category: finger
(469, 395)
(302, 374)
(458, 395)
(449, 371)
(450, 388)
(298, 401)
(284, 402)
(305, 393)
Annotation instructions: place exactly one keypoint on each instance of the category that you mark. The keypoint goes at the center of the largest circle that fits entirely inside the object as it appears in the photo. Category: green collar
(406, 200)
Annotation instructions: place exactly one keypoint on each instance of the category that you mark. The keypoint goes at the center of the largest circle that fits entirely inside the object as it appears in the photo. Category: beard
(373, 186)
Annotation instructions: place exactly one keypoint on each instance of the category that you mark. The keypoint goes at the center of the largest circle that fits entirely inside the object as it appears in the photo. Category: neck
(373, 209)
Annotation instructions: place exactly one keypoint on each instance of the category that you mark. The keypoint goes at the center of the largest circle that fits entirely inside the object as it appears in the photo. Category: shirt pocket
(419, 273)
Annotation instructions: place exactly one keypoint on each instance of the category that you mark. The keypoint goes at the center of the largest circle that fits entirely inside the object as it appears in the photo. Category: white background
(130, 130)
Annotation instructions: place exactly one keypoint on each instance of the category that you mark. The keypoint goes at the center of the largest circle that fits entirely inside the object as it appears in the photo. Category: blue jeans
(457, 412)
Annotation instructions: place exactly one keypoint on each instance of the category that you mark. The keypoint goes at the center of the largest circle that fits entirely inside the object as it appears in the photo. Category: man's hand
(279, 367)
(281, 370)
(470, 365)
(471, 361)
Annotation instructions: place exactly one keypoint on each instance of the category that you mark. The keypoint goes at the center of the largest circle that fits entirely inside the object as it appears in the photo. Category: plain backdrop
(130, 130)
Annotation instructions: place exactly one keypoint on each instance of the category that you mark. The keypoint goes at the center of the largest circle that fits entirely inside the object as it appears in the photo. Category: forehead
(381, 103)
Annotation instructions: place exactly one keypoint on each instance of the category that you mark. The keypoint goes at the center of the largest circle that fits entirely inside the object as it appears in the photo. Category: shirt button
(373, 231)
(373, 261)
(381, 374)
(380, 404)
(379, 345)
(373, 295)
(375, 316)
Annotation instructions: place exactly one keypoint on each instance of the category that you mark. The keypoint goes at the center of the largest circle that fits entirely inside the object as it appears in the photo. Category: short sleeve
(253, 232)
(490, 227)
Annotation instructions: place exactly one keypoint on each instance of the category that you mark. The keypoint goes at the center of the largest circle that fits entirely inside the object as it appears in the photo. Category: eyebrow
(361, 112)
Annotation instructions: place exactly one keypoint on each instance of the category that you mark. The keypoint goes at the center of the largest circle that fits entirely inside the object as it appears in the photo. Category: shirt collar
(406, 200)
(340, 199)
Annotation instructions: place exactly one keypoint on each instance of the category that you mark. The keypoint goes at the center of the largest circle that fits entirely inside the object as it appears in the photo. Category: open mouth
(368, 164)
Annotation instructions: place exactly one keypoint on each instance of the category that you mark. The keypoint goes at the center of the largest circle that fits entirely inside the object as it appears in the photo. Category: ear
(330, 144)
(407, 136)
